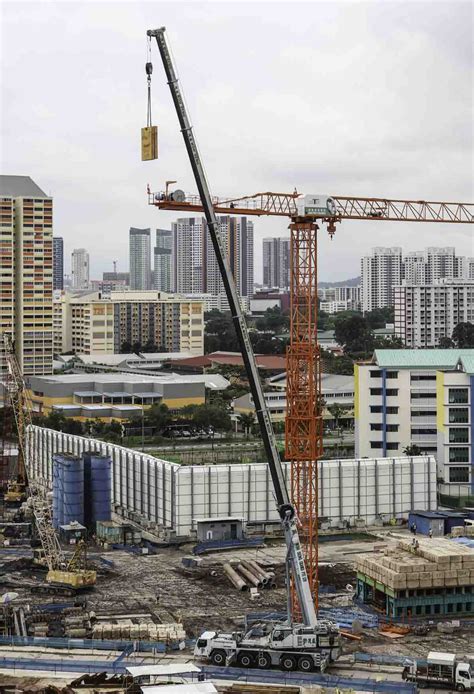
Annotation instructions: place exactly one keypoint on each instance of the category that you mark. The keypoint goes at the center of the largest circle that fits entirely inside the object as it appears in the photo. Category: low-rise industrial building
(118, 396)
(336, 389)
(423, 577)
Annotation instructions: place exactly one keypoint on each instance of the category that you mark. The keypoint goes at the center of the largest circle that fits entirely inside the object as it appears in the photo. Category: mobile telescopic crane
(287, 644)
(64, 576)
(304, 424)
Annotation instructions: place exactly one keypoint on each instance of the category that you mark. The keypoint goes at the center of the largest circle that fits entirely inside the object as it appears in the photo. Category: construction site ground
(159, 587)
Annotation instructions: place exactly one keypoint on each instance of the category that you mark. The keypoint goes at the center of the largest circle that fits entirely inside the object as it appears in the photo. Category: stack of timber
(434, 563)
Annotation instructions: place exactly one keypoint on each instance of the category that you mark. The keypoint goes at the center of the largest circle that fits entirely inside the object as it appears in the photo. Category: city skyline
(400, 151)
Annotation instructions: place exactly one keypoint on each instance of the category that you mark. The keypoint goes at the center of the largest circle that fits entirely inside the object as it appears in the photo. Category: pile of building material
(249, 574)
(432, 563)
(144, 631)
(463, 531)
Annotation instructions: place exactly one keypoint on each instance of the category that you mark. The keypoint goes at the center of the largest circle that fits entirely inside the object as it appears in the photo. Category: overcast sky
(344, 98)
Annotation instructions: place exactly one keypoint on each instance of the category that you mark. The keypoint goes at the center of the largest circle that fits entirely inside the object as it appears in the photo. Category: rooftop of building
(212, 381)
(422, 358)
(20, 187)
(264, 361)
(466, 362)
(329, 382)
(141, 359)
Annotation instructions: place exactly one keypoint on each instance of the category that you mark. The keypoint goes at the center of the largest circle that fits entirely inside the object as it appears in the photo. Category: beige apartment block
(26, 274)
(99, 324)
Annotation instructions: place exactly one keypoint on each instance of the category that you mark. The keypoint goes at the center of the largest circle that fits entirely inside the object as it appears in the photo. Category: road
(348, 440)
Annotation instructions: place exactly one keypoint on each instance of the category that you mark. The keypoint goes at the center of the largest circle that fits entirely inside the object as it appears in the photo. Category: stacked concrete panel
(435, 563)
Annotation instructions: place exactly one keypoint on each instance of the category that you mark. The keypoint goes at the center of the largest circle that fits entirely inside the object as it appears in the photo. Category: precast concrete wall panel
(175, 496)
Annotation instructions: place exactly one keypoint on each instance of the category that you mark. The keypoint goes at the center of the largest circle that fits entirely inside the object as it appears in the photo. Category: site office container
(426, 521)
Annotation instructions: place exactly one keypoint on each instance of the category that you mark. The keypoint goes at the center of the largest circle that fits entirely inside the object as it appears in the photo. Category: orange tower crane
(304, 424)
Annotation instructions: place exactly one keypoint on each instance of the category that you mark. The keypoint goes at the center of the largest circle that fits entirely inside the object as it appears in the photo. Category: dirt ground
(161, 589)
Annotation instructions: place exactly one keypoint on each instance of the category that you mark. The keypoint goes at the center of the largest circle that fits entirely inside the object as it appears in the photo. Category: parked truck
(286, 647)
(440, 670)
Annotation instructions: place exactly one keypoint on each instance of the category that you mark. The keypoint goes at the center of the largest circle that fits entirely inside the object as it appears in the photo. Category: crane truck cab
(440, 670)
(288, 647)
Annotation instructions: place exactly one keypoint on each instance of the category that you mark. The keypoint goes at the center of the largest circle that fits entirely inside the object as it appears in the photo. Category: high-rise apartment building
(195, 269)
(80, 268)
(380, 273)
(276, 262)
(162, 274)
(425, 314)
(26, 273)
(336, 299)
(94, 323)
(58, 262)
(433, 264)
(140, 268)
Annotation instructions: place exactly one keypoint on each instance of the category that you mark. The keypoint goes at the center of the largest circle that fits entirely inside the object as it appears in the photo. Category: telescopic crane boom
(285, 507)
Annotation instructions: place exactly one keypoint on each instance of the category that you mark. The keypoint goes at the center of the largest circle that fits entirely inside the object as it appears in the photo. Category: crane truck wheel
(264, 661)
(246, 659)
(288, 662)
(305, 663)
(460, 688)
(218, 658)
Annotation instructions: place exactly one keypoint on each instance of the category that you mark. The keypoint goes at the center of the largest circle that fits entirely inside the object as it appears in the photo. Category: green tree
(125, 347)
(354, 335)
(337, 411)
(392, 342)
(158, 416)
(445, 343)
(463, 335)
(379, 317)
(210, 415)
(247, 420)
(412, 450)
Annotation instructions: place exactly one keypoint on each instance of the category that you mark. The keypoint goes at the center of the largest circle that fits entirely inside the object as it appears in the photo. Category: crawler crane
(64, 576)
(312, 642)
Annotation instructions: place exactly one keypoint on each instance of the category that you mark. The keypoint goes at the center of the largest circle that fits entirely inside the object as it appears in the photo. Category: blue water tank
(99, 488)
(57, 491)
(73, 489)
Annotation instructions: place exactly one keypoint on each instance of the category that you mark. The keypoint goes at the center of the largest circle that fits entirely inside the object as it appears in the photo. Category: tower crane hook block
(150, 143)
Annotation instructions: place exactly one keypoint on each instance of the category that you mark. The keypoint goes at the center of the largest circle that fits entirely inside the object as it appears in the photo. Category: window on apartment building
(459, 455)
(458, 474)
(458, 435)
(376, 444)
(392, 445)
(422, 377)
(376, 409)
(376, 391)
(458, 396)
(392, 391)
(423, 413)
(392, 410)
(458, 415)
(376, 427)
(422, 396)
(375, 374)
(421, 431)
(391, 427)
